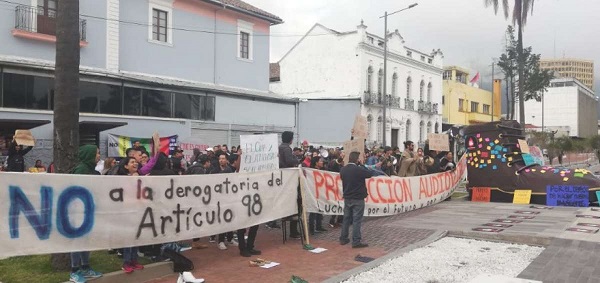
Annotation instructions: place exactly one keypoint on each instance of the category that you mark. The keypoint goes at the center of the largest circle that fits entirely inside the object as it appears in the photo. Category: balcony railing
(370, 98)
(434, 108)
(409, 104)
(395, 102)
(32, 19)
(421, 107)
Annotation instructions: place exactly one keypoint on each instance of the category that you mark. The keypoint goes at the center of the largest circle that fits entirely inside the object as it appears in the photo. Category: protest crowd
(221, 159)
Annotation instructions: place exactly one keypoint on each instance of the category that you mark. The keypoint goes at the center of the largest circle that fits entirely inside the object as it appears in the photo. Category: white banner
(50, 213)
(259, 153)
(387, 195)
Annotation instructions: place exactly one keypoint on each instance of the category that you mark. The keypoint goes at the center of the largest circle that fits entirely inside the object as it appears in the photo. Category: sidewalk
(575, 253)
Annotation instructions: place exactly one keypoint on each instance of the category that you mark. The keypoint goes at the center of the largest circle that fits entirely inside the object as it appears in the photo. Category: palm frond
(506, 8)
(494, 3)
(526, 6)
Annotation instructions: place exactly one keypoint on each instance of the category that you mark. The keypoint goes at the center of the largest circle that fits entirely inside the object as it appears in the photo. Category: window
(486, 109)
(409, 53)
(443, 99)
(422, 58)
(195, 107)
(437, 126)
(428, 127)
(422, 90)
(474, 106)
(429, 60)
(408, 86)
(160, 27)
(27, 92)
(100, 98)
(380, 82)
(132, 101)
(156, 103)
(429, 89)
(207, 108)
(380, 43)
(244, 45)
(379, 130)
(461, 104)
(370, 39)
(369, 126)
(395, 85)
(408, 129)
(421, 131)
(447, 75)
(369, 78)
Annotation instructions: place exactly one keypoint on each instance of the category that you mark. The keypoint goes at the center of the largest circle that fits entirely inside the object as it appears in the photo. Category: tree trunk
(512, 96)
(66, 97)
(507, 81)
(521, 68)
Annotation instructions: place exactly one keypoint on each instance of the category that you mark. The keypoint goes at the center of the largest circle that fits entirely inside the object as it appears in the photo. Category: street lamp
(385, 51)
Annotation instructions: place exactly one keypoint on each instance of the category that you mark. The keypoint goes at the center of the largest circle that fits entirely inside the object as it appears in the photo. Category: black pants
(229, 237)
(315, 221)
(247, 244)
(336, 219)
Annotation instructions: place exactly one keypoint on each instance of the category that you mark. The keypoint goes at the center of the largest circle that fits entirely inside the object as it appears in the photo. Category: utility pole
(493, 64)
(385, 51)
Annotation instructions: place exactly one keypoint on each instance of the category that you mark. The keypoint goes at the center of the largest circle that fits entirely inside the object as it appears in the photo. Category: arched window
(379, 130)
(408, 86)
(369, 126)
(429, 87)
(380, 86)
(428, 127)
(408, 129)
(395, 85)
(437, 126)
(369, 78)
(422, 91)
(421, 131)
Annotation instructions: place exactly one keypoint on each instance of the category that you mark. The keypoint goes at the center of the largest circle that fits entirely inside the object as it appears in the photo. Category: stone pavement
(571, 256)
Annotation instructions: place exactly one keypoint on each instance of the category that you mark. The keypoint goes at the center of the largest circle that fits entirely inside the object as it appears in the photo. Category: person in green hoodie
(89, 155)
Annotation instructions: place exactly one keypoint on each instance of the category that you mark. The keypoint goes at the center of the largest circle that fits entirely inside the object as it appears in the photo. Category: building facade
(582, 70)
(568, 106)
(465, 104)
(331, 66)
(180, 67)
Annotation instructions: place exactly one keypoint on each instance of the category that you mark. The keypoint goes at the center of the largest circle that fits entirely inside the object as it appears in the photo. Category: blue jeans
(353, 214)
(80, 259)
(130, 254)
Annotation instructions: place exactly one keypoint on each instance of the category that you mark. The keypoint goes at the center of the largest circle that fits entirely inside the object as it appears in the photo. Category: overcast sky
(468, 33)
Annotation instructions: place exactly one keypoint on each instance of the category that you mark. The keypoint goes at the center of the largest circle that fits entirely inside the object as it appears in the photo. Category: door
(46, 17)
(394, 137)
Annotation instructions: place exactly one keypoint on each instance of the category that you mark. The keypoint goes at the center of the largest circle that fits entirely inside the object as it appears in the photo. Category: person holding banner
(287, 160)
(224, 168)
(355, 191)
(129, 167)
(315, 220)
(88, 156)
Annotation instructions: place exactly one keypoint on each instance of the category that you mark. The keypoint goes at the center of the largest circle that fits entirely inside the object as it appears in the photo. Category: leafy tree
(520, 12)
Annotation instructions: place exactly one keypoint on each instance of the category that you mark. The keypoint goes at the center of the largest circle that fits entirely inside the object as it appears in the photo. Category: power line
(180, 28)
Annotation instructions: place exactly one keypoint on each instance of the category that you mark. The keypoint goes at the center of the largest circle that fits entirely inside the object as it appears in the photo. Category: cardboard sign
(481, 194)
(524, 146)
(439, 142)
(259, 153)
(24, 137)
(522, 197)
(360, 130)
(528, 159)
(563, 195)
(354, 145)
(189, 144)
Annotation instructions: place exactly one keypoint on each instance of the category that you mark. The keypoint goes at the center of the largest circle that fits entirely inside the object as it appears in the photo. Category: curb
(370, 265)
(150, 272)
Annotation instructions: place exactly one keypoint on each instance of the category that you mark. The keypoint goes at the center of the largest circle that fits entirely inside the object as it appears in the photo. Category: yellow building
(583, 70)
(463, 104)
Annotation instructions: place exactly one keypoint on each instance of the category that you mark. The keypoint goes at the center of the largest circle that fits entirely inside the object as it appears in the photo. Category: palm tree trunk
(521, 67)
(507, 81)
(66, 97)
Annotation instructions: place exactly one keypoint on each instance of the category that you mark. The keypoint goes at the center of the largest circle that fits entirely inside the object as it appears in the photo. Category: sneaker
(222, 246)
(77, 277)
(254, 252)
(188, 277)
(212, 239)
(136, 265)
(90, 273)
(127, 268)
(331, 225)
(233, 242)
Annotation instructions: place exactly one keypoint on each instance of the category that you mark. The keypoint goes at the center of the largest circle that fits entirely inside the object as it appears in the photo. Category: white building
(332, 66)
(568, 105)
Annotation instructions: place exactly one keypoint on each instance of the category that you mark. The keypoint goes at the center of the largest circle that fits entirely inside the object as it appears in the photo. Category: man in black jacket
(15, 161)
(355, 191)
(287, 160)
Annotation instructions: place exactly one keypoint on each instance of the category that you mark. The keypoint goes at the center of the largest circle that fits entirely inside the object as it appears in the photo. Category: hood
(87, 155)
